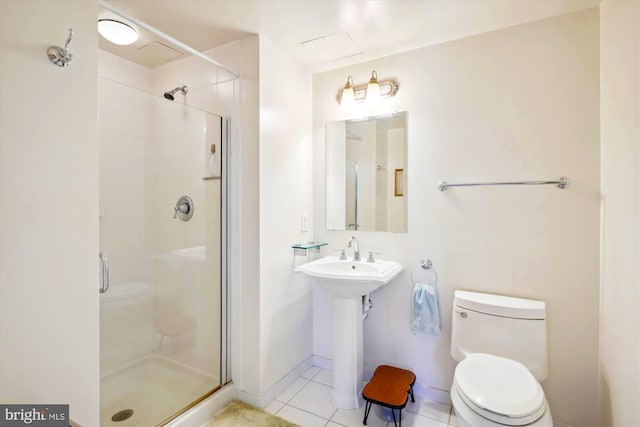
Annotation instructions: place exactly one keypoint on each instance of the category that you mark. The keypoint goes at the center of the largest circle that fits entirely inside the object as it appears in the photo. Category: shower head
(169, 95)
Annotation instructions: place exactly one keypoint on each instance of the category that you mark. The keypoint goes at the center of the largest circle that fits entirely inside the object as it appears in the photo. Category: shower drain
(125, 414)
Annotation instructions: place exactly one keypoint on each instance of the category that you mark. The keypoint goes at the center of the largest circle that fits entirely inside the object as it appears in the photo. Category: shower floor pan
(154, 388)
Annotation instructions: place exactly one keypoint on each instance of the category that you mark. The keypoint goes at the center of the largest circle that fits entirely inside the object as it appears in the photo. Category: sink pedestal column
(347, 352)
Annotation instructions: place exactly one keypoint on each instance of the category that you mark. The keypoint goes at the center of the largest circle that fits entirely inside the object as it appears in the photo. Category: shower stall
(162, 229)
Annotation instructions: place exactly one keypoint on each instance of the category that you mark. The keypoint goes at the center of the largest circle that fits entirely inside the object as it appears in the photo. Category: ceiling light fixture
(370, 92)
(117, 32)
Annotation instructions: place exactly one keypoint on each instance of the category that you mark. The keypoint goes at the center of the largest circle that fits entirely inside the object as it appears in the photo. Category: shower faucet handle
(183, 208)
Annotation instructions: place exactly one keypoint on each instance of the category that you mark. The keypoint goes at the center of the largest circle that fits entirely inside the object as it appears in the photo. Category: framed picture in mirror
(398, 189)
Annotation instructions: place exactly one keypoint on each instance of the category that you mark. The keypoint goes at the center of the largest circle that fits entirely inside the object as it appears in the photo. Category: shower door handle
(104, 261)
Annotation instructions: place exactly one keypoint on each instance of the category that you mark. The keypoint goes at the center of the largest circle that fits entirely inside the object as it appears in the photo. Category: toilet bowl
(500, 344)
(489, 391)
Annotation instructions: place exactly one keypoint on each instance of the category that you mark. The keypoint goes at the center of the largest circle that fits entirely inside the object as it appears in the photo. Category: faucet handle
(343, 255)
(370, 258)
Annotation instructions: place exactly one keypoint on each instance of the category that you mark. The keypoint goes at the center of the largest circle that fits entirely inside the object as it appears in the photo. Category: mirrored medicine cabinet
(366, 174)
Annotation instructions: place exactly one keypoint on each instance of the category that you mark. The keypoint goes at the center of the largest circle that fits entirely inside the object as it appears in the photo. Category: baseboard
(322, 362)
(279, 387)
(205, 410)
(557, 424)
(249, 398)
(432, 393)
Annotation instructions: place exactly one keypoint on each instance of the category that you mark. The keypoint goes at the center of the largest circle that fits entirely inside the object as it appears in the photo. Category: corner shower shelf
(300, 249)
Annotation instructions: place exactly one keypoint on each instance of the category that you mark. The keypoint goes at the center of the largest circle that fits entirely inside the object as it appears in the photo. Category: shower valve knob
(183, 208)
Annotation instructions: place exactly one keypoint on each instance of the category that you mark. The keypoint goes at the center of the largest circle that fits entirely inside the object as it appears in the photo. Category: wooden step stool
(389, 387)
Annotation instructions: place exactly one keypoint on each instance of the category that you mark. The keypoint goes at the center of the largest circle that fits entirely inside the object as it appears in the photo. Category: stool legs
(399, 422)
(367, 409)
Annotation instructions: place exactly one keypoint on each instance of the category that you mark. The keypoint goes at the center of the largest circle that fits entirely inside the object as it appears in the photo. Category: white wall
(515, 104)
(244, 226)
(620, 140)
(49, 208)
(285, 194)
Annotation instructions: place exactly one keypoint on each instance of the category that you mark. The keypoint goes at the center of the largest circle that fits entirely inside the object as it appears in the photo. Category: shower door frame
(225, 345)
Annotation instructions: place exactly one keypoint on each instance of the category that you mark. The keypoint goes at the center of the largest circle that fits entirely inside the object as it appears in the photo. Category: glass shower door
(161, 202)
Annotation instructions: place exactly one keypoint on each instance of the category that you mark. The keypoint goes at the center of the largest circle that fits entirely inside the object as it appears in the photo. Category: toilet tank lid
(499, 305)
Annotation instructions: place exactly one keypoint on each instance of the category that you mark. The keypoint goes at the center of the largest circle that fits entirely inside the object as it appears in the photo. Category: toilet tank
(504, 326)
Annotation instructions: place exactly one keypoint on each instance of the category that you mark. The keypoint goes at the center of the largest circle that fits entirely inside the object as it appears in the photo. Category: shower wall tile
(126, 72)
(121, 124)
(225, 91)
(212, 213)
(116, 144)
(196, 235)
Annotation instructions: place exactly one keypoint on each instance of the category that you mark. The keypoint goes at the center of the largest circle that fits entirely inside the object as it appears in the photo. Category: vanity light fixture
(347, 99)
(370, 92)
(373, 88)
(117, 31)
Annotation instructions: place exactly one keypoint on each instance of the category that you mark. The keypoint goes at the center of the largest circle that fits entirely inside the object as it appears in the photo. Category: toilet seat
(499, 389)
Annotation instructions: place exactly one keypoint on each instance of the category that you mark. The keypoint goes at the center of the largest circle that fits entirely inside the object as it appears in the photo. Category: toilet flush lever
(462, 314)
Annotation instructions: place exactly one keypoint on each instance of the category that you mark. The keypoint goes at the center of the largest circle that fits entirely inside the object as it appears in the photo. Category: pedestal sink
(348, 282)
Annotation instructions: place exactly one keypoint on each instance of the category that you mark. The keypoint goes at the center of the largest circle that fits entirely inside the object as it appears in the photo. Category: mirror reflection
(366, 174)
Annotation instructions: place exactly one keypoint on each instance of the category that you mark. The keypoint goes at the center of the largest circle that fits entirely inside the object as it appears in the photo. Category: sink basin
(348, 279)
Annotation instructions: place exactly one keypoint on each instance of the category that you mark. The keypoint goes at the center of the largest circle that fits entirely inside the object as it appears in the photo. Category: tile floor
(306, 402)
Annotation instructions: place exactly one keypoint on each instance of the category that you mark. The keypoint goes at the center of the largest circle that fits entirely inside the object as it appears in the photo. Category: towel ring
(425, 266)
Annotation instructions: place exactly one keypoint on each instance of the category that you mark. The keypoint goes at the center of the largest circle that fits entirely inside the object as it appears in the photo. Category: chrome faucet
(356, 248)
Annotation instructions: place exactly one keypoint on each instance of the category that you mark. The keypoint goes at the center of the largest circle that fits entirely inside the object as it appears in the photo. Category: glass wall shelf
(300, 249)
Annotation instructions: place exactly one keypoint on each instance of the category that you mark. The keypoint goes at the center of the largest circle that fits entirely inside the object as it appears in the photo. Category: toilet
(500, 343)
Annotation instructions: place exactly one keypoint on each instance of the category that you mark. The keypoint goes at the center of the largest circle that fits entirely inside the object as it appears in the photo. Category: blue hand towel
(425, 314)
